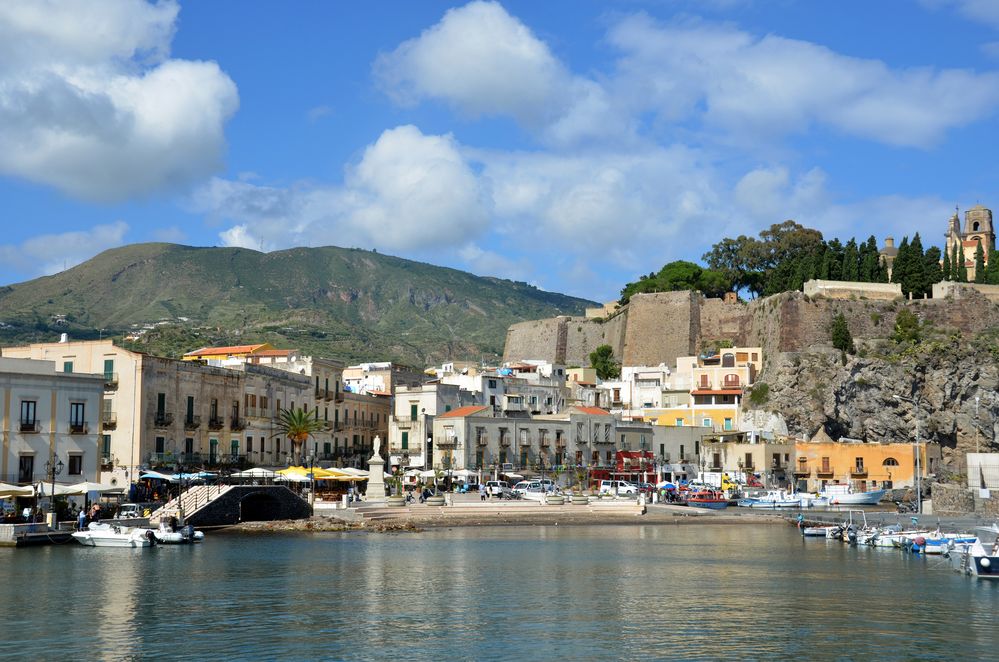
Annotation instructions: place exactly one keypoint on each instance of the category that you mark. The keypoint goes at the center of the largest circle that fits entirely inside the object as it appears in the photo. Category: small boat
(820, 531)
(180, 536)
(843, 495)
(981, 561)
(809, 500)
(708, 499)
(114, 535)
(776, 499)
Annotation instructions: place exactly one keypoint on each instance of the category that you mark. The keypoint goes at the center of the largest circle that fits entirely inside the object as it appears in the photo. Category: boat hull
(774, 505)
(857, 499)
(713, 505)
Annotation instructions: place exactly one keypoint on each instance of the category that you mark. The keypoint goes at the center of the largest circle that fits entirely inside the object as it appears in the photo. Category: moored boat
(113, 535)
(708, 499)
(844, 495)
(776, 499)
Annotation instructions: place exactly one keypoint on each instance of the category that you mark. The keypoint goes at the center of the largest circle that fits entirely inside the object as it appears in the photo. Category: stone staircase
(191, 501)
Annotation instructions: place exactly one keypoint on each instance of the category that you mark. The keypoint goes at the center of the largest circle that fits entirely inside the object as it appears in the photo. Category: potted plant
(437, 499)
(579, 497)
(398, 499)
(555, 498)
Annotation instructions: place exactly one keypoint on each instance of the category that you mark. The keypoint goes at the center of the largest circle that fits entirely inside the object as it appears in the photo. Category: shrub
(759, 394)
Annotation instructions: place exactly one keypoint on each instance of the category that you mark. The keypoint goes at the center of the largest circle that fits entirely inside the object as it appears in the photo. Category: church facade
(977, 230)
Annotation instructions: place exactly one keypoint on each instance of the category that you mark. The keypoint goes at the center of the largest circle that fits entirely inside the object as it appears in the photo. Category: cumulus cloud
(92, 104)
(408, 192)
(769, 86)
(983, 11)
(480, 60)
(51, 253)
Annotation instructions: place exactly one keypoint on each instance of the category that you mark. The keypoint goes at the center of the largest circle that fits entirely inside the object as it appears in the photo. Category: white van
(498, 488)
(618, 487)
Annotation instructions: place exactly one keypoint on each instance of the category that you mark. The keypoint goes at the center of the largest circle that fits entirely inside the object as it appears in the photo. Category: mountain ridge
(332, 301)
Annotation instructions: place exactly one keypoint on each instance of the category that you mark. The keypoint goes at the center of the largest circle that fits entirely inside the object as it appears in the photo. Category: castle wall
(660, 327)
(954, 290)
(839, 289)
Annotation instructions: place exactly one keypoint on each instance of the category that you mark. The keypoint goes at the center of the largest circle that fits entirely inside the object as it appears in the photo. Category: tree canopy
(602, 359)
(679, 275)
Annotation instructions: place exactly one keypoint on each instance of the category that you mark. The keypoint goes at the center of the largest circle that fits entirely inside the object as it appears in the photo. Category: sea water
(525, 593)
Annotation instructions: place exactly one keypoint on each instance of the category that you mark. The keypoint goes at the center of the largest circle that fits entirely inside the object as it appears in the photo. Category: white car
(498, 488)
(617, 487)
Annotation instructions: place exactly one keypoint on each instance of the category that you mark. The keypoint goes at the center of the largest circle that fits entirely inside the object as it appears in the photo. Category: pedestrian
(81, 519)
(482, 491)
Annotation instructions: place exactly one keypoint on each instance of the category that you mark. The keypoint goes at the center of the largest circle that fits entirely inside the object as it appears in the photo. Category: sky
(571, 144)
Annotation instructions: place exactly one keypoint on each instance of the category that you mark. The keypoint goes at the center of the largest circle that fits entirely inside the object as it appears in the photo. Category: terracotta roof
(720, 391)
(234, 349)
(461, 412)
(594, 411)
(275, 352)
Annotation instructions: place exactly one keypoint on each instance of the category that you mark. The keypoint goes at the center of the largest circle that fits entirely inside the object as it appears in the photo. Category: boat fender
(986, 562)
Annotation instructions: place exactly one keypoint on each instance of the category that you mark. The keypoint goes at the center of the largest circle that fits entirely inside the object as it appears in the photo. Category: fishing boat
(114, 535)
(844, 495)
(708, 499)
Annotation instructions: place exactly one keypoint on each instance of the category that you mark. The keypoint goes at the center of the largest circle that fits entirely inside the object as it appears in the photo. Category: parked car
(617, 486)
(647, 488)
(499, 488)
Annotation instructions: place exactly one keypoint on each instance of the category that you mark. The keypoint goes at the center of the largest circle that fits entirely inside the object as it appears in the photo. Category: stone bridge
(251, 503)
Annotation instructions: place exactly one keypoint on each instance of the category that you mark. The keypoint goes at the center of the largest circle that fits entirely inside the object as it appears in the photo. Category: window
(623, 441)
(77, 418)
(25, 468)
(405, 440)
(213, 411)
(523, 457)
(263, 405)
(478, 458)
(678, 422)
(29, 415)
(610, 458)
(697, 447)
(728, 423)
(160, 404)
(249, 444)
(160, 444)
(108, 369)
(682, 456)
(327, 446)
(858, 464)
(189, 445)
(75, 465)
(825, 465)
(106, 446)
(234, 447)
(492, 383)
(890, 462)
(706, 422)
(213, 451)
(189, 414)
(67, 366)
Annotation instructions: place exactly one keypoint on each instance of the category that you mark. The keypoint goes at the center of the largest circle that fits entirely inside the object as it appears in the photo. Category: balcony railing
(189, 458)
(802, 471)
(525, 441)
(107, 462)
(236, 423)
(824, 472)
(29, 426)
(216, 423)
(192, 422)
(109, 420)
(110, 381)
(482, 441)
(447, 442)
(504, 441)
(162, 458)
(163, 419)
(858, 472)
(78, 427)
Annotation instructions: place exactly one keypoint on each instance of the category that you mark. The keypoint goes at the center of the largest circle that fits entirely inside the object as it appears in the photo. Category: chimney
(64, 338)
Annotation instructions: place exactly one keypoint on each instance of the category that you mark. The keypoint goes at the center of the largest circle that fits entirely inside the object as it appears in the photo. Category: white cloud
(318, 112)
(983, 11)
(482, 61)
(91, 104)
(51, 253)
(408, 192)
(771, 86)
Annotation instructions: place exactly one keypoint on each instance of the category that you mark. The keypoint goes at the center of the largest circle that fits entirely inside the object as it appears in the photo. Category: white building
(50, 419)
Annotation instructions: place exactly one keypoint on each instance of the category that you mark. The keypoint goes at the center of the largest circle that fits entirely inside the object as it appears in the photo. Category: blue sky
(573, 145)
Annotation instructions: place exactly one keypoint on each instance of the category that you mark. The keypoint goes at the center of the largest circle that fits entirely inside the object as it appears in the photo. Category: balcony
(107, 462)
(403, 422)
(109, 420)
(504, 441)
(192, 422)
(162, 419)
(160, 459)
(525, 441)
(824, 472)
(78, 427)
(858, 472)
(802, 472)
(237, 423)
(447, 442)
(338, 427)
(545, 442)
(482, 441)
(189, 458)
(338, 396)
(29, 426)
(216, 423)
(110, 381)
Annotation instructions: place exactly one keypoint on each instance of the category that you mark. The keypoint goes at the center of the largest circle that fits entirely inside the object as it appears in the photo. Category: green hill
(328, 301)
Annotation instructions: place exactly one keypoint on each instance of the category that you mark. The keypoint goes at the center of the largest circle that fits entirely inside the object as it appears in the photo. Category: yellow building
(862, 465)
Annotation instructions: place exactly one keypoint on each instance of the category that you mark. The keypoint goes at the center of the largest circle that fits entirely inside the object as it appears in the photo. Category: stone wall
(657, 328)
(952, 499)
(840, 289)
(959, 290)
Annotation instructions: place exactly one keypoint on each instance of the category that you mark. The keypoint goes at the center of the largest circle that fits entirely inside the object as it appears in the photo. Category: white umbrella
(85, 487)
(7, 490)
(45, 489)
(510, 474)
(256, 472)
(292, 478)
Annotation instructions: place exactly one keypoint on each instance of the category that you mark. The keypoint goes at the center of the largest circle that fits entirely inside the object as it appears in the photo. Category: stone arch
(259, 507)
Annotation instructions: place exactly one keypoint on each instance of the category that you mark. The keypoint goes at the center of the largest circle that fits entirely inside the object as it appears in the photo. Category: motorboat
(811, 500)
(115, 535)
(776, 499)
(183, 535)
(844, 495)
(821, 531)
(708, 499)
(981, 560)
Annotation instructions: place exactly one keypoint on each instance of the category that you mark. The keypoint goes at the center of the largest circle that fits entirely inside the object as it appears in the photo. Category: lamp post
(53, 468)
(312, 488)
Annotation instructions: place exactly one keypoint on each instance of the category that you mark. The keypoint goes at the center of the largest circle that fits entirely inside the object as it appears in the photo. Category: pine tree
(840, 332)
(946, 265)
(979, 263)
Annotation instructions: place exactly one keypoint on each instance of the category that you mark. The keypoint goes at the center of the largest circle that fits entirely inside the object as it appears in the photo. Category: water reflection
(496, 593)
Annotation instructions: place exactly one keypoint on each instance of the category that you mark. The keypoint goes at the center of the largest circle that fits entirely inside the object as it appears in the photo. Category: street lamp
(53, 468)
(312, 488)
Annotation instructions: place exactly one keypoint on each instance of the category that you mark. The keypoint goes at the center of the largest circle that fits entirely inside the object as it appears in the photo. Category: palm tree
(298, 425)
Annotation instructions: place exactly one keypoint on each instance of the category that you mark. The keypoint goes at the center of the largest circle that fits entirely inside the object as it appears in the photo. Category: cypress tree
(851, 259)
(840, 332)
(900, 267)
(919, 279)
(957, 265)
(946, 265)
(979, 264)
(933, 272)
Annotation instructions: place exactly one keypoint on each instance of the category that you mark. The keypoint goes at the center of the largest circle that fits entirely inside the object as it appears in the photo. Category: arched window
(728, 360)
(890, 462)
(731, 381)
(974, 228)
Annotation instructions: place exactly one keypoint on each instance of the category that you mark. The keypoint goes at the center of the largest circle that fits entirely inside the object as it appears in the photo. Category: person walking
(81, 519)
(482, 491)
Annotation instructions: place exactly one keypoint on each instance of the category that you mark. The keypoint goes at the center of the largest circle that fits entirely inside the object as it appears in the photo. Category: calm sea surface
(644, 592)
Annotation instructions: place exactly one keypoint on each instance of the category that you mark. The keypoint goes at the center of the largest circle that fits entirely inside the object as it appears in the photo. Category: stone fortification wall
(840, 289)
(657, 328)
(954, 290)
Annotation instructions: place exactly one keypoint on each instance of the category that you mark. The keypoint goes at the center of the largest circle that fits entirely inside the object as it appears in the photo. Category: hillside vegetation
(329, 301)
